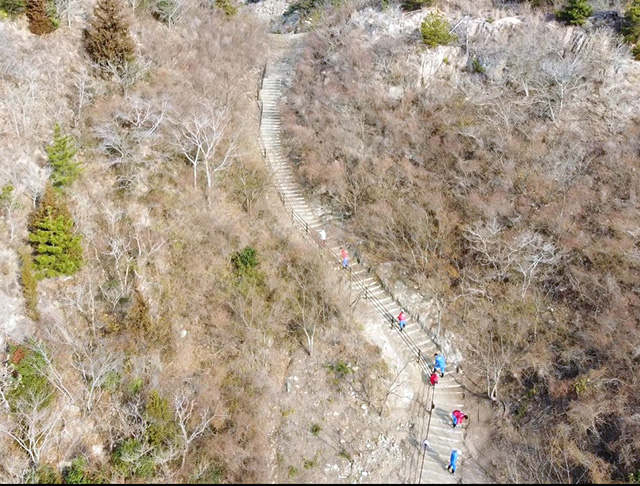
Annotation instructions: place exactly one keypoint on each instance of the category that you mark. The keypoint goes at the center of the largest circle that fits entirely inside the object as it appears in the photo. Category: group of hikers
(457, 416)
(344, 253)
(439, 361)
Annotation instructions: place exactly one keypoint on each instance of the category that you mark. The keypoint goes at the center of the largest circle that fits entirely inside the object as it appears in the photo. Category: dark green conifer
(62, 159)
(57, 249)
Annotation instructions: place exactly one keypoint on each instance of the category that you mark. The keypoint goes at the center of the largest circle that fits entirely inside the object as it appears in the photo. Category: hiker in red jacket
(458, 417)
(402, 319)
(345, 257)
(434, 378)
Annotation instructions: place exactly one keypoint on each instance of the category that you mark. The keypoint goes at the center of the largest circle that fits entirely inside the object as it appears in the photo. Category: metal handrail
(377, 304)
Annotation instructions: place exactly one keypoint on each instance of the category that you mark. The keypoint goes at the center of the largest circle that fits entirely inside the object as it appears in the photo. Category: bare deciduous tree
(97, 365)
(86, 88)
(189, 429)
(66, 9)
(251, 181)
(19, 102)
(32, 426)
(310, 312)
(171, 12)
(51, 372)
(84, 298)
(199, 141)
(121, 262)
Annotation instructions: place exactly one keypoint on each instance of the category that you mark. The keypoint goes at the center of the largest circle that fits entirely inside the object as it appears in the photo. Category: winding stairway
(431, 462)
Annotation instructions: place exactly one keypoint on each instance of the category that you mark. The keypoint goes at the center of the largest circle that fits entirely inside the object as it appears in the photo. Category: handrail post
(425, 442)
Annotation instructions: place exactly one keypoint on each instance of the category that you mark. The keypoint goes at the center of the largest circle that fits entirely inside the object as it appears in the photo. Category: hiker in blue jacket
(439, 364)
(452, 461)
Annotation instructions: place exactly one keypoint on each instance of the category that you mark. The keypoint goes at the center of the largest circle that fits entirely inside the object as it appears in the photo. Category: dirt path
(324, 436)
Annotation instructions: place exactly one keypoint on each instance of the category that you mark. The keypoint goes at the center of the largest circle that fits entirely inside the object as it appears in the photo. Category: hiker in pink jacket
(458, 417)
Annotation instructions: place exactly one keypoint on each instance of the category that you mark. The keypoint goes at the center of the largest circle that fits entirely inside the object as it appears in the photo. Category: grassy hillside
(156, 354)
(498, 172)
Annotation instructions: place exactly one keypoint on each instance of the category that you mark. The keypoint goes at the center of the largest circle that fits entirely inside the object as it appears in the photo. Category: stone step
(448, 392)
(438, 478)
(449, 386)
(441, 438)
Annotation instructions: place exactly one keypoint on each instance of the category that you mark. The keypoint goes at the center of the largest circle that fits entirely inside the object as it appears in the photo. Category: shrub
(136, 385)
(304, 7)
(162, 428)
(107, 38)
(212, 474)
(162, 9)
(540, 3)
(46, 474)
(245, 261)
(13, 7)
(339, 370)
(435, 31)
(477, 67)
(77, 473)
(575, 12)
(138, 320)
(227, 7)
(309, 463)
(6, 195)
(129, 459)
(39, 17)
(58, 250)
(29, 284)
(30, 385)
(61, 154)
(410, 5)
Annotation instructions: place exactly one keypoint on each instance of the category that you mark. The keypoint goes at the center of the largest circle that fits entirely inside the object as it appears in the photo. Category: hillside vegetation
(150, 299)
(498, 170)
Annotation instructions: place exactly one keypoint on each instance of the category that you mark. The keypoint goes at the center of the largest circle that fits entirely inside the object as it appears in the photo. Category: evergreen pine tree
(58, 251)
(435, 30)
(107, 37)
(631, 29)
(38, 17)
(575, 12)
(61, 158)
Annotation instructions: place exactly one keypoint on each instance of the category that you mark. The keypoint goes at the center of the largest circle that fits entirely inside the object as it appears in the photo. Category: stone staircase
(449, 393)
